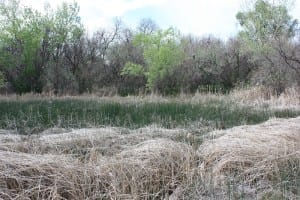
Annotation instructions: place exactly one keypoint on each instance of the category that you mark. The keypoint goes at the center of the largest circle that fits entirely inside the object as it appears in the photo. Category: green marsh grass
(150, 153)
(26, 115)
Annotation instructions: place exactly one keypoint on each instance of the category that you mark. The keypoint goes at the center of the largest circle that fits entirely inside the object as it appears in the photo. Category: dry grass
(256, 160)
(149, 170)
(246, 162)
(27, 176)
(259, 96)
(81, 142)
(105, 163)
(262, 97)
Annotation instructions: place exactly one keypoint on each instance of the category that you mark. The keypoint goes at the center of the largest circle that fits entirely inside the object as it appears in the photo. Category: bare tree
(147, 26)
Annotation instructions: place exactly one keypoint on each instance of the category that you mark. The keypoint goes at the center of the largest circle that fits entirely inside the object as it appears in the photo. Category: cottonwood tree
(264, 22)
(21, 36)
(267, 28)
(162, 52)
(33, 45)
(64, 29)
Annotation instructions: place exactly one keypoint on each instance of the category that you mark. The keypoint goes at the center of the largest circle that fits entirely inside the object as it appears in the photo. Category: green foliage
(76, 113)
(1, 79)
(267, 33)
(64, 32)
(132, 69)
(64, 25)
(20, 38)
(265, 22)
(28, 38)
(162, 52)
(50, 51)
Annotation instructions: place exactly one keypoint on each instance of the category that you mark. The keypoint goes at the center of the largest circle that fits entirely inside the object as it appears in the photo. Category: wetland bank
(204, 146)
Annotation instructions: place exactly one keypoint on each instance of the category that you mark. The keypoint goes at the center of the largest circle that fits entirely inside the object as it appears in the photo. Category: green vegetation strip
(76, 113)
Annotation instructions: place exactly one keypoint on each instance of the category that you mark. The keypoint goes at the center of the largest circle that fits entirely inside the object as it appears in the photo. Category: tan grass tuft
(26, 176)
(255, 162)
(149, 170)
(261, 96)
(81, 142)
(255, 157)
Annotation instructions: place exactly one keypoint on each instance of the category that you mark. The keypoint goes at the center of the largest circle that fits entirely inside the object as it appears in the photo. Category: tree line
(52, 52)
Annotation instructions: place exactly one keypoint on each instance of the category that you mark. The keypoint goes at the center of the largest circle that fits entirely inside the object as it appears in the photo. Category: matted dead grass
(28, 176)
(249, 162)
(256, 160)
(151, 169)
(81, 142)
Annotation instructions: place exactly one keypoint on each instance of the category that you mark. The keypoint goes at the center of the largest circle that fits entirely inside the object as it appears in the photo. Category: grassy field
(33, 115)
(151, 147)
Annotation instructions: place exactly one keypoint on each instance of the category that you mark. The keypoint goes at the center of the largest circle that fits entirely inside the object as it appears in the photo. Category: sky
(196, 17)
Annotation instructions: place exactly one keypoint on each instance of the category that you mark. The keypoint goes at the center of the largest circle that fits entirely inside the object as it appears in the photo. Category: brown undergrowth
(259, 161)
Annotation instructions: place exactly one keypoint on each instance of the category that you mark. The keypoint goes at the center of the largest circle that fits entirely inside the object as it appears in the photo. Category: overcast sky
(198, 17)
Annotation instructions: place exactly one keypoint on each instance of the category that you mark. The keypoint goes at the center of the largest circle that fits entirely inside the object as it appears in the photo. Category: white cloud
(199, 17)
(101, 13)
(202, 17)
(98, 13)
(116, 8)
